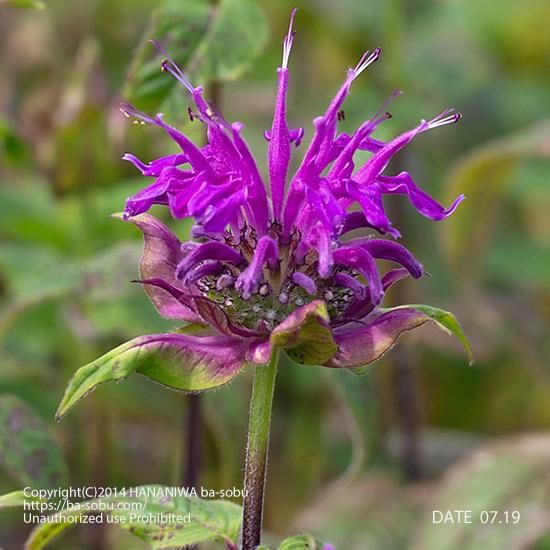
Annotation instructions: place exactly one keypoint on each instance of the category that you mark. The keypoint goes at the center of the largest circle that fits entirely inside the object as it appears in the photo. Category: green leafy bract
(179, 361)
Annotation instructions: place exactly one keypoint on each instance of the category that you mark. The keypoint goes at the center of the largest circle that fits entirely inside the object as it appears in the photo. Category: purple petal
(372, 205)
(161, 255)
(389, 250)
(361, 308)
(206, 269)
(345, 280)
(378, 162)
(325, 207)
(208, 251)
(364, 345)
(355, 220)
(217, 218)
(427, 206)
(155, 167)
(257, 196)
(361, 261)
(279, 138)
(307, 283)
(343, 166)
(194, 155)
(279, 147)
(266, 252)
(331, 114)
(209, 194)
(170, 179)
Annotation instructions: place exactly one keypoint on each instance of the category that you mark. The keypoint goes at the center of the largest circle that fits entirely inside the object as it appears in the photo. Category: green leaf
(27, 452)
(193, 520)
(211, 41)
(301, 542)
(446, 321)
(179, 361)
(17, 499)
(305, 335)
(27, 4)
(484, 176)
(504, 477)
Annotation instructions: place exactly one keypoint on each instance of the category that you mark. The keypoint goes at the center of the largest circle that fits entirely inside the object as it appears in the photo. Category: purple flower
(271, 266)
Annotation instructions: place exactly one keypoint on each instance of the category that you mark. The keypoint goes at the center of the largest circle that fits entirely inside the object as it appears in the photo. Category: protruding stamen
(130, 111)
(170, 66)
(288, 40)
(448, 116)
(384, 107)
(367, 59)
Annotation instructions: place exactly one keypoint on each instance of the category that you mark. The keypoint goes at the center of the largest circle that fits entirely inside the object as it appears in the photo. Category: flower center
(278, 289)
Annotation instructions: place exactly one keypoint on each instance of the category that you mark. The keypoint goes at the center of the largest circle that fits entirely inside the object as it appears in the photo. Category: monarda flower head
(270, 265)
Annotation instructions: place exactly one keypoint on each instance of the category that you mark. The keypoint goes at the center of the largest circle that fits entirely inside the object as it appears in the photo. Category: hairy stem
(256, 452)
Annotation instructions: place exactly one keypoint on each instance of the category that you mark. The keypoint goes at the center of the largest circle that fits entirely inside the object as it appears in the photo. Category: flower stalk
(259, 423)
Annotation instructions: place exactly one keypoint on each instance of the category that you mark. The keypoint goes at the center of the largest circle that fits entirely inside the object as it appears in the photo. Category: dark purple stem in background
(192, 420)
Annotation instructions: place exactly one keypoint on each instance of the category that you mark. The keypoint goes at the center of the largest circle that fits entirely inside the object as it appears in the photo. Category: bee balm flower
(270, 264)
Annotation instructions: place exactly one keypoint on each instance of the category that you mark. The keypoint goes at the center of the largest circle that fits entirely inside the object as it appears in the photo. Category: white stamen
(366, 59)
(170, 66)
(448, 116)
(288, 40)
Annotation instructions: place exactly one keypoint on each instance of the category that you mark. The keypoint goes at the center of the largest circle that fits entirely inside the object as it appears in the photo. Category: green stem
(256, 452)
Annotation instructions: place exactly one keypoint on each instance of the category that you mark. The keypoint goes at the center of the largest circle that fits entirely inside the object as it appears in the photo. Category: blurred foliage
(198, 32)
(28, 453)
(65, 267)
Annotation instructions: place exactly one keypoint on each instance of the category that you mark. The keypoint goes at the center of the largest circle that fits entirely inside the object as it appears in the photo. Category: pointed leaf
(27, 452)
(366, 344)
(200, 520)
(179, 361)
(161, 255)
(446, 321)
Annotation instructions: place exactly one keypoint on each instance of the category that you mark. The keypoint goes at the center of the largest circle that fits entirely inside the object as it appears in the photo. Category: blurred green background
(358, 461)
